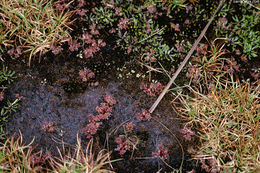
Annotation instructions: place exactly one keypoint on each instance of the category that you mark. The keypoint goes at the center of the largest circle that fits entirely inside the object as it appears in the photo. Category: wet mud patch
(56, 105)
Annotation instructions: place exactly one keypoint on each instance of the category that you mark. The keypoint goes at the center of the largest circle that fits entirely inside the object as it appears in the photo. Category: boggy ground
(53, 92)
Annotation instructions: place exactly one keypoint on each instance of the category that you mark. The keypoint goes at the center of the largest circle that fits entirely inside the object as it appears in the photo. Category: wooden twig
(184, 61)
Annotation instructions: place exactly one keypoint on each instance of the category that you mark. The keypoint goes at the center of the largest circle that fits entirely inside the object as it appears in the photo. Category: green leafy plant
(6, 75)
(135, 28)
(240, 29)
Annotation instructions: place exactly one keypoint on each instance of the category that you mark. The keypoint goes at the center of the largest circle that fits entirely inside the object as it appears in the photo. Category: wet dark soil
(53, 92)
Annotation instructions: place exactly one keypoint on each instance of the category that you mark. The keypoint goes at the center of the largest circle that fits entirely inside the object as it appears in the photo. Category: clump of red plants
(89, 42)
(154, 88)
(86, 74)
(48, 126)
(122, 144)
(127, 140)
(162, 153)
(187, 133)
(104, 112)
(145, 115)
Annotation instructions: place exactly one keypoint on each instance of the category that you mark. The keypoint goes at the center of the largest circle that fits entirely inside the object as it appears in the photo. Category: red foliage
(232, 66)
(176, 27)
(86, 74)
(150, 57)
(162, 153)
(110, 100)
(187, 133)
(48, 126)
(56, 50)
(144, 116)
(104, 112)
(15, 51)
(36, 159)
(129, 126)
(1, 96)
(202, 49)
(81, 3)
(123, 23)
(74, 45)
(91, 128)
(154, 88)
(122, 145)
(179, 47)
(93, 29)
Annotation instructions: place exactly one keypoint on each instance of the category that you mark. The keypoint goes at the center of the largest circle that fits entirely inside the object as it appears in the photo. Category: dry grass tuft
(83, 160)
(15, 156)
(33, 24)
(228, 120)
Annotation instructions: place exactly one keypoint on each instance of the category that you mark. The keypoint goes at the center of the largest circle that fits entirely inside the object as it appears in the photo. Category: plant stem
(184, 61)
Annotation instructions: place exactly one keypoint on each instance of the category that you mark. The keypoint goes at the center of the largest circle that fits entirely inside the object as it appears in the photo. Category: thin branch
(184, 61)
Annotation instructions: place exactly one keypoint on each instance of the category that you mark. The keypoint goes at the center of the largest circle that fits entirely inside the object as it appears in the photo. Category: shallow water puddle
(51, 115)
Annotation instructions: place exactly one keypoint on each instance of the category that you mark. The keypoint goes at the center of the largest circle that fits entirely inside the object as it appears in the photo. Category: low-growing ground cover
(78, 79)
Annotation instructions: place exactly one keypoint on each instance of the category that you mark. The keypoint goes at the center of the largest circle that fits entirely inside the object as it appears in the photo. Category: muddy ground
(53, 92)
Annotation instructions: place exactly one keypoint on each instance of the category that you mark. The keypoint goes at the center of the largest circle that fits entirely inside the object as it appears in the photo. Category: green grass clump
(33, 24)
(82, 160)
(16, 156)
(6, 106)
(227, 119)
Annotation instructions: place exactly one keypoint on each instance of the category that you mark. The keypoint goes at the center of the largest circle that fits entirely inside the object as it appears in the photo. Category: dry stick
(184, 61)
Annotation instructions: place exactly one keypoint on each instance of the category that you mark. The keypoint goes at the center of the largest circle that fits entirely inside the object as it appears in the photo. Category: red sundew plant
(36, 159)
(150, 57)
(110, 100)
(122, 145)
(74, 45)
(209, 165)
(56, 50)
(187, 133)
(92, 128)
(179, 47)
(62, 5)
(123, 23)
(176, 27)
(153, 88)
(202, 49)
(187, 22)
(86, 74)
(144, 116)
(15, 51)
(48, 126)
(81, 3)
(188, 8)
(1, 96)
(162, 153)
(93, 46)
(129, 126)
(126, 143)
(93, 29)
(81, 12)
(222, 21)
(194, 72)
(104, 112)
(232, 66)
